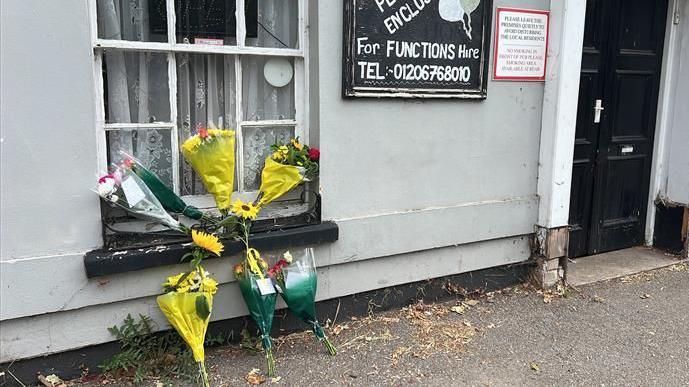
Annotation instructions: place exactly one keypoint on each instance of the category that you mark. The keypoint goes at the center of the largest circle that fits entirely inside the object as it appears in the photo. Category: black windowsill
(103, 262)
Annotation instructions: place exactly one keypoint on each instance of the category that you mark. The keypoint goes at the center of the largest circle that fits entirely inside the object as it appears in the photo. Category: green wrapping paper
(297, 283)
(261, 307)
(170, 201)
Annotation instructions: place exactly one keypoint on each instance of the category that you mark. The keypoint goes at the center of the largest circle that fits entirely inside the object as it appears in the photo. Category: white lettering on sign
(366, 48)
(520, 44)
(403, 14)
(370, 70)
(388, 3)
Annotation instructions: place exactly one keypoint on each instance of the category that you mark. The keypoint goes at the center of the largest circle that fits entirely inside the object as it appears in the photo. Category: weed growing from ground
(146, 354)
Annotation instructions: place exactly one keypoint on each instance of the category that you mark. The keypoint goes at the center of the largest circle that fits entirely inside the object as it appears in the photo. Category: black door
(618, 97)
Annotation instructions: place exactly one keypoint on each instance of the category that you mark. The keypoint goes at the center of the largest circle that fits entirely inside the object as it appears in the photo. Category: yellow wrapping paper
(276, 180)
(213, 159)
(180, 310)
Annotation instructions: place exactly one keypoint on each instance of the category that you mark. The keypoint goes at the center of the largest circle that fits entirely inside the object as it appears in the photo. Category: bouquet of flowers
(296, 281)
(125, 189)
(170, 200)
(188, 299)
(211, 154)
(260, 297)
(289, 165)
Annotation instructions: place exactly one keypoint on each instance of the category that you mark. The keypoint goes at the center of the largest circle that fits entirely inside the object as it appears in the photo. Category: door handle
(597, 108)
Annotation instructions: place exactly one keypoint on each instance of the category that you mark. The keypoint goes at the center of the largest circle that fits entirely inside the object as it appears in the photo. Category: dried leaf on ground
(679, 267)
(433, 334)
(337, 329)
(51, 380)
(534, 366)
(640, 277)
(458, 309)
(471, 302)
(398, 353)
(255, 377)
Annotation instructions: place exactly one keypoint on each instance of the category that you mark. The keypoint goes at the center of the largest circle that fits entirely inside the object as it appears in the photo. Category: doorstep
(615, 264)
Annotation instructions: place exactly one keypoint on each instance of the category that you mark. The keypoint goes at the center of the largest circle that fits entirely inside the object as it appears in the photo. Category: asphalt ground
(632, 331)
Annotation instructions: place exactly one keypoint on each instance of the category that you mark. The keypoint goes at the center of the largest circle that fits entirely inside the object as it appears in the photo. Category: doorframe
(666, 94)
(559, 114)
(560, 100)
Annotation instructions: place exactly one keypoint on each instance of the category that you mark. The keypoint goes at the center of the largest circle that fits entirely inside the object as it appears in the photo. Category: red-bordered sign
(521, 44)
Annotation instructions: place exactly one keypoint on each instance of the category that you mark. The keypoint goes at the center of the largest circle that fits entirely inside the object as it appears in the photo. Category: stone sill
(104, 262)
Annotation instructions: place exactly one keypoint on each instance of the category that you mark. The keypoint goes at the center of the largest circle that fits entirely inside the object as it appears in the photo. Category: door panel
(631, 111)
(621, 64)
(639, 28)
(586, 138)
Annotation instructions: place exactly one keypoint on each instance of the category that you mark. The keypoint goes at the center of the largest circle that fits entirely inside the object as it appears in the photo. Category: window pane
(151, 146)
(205, 98)
(257, 142)
(206, 21)
(136, 87)
(137, 20)
(277, 24)
(267, 88)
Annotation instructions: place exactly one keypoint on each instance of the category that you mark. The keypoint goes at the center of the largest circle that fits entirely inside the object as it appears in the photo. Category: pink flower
(314, 154)
(105, 177)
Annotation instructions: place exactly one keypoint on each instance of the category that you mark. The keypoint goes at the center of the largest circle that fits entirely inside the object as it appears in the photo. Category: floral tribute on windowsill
(187, 301)
(288, 166)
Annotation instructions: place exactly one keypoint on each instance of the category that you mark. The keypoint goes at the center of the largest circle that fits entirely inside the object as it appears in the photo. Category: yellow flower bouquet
(289, 165)
(188, 299)
(211, 154)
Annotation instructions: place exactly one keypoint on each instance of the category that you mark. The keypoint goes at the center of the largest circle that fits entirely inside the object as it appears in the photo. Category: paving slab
(615, 264)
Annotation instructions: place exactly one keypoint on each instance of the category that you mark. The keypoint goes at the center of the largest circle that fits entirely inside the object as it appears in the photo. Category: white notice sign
(521, 44)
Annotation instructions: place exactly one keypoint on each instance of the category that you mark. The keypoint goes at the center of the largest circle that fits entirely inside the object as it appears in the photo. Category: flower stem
(329, 346)
(204, 375)
(271, 362)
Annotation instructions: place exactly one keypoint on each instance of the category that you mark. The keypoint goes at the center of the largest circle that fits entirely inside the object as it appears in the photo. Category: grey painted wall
(48, 138)
(678, 159)
(402, 155)
(420, 189)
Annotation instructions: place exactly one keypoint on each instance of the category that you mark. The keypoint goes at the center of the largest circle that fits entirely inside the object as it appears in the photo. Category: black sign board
(416, 48)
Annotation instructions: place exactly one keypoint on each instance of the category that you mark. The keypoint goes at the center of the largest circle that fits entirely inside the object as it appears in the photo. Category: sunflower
(207, 242)
(296, 144)
(245, 210)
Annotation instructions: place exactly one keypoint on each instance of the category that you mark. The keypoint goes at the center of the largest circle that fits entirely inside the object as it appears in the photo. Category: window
(164, 68)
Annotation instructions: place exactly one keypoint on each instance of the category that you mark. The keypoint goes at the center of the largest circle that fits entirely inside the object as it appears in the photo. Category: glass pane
(277, 25)
(257, 142)
(136, 87)
(138, 20)
(267, 88)
(206, 21)
(205, 99)
(151, 146)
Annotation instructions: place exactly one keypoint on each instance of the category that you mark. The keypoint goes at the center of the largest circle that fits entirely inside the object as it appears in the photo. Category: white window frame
(171, 48)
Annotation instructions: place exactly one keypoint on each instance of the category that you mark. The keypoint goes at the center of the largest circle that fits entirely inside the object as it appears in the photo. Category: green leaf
(203, 309)
(185, 256)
